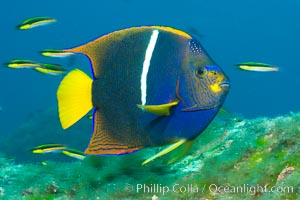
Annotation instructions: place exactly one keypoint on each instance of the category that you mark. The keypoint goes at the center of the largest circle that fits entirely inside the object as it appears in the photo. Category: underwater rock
(235, 158)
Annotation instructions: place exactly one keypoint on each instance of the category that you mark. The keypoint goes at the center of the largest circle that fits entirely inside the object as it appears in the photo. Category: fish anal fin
(161, 110)
(74, 97)
(102, 143)
(165, 151)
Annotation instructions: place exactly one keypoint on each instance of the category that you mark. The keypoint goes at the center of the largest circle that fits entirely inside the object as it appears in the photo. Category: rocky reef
(235, 158)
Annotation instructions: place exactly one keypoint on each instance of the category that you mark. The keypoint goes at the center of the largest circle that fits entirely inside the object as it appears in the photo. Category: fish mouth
(225, 84)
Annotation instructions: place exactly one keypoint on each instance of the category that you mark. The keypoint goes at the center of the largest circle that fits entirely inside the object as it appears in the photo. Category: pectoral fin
(161, 110)
(186, 145)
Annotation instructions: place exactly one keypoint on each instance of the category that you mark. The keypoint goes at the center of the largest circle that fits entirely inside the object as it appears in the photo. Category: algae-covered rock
(235, 158)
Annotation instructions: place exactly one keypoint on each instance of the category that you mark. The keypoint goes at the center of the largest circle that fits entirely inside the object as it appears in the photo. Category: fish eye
(201, 72)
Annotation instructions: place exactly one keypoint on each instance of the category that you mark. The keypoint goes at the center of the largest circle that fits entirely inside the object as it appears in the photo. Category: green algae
(234, 158)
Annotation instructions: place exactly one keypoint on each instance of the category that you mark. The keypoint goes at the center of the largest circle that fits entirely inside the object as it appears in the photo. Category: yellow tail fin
(74, 97)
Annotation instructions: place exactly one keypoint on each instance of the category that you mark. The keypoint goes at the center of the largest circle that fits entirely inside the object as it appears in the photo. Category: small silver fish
(35, 22)
(56, 53)
(47, 148)
(51, 69)
(22, 64)
(257, 67)
(74, 153)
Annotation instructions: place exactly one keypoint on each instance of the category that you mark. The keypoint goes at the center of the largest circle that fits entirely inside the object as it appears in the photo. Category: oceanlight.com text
(252, 190)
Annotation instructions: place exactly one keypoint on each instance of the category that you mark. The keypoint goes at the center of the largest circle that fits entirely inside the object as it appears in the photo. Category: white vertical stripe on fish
(146, 65)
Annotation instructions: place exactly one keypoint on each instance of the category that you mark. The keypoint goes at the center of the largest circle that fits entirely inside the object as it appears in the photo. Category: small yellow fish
(52, 69)
(56, 53)
(35, 22)
(22, 64)
(257, 67)
(74, 153)
(48, 148)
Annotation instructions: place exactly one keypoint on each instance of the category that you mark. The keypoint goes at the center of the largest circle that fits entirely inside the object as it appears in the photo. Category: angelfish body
(151, 86)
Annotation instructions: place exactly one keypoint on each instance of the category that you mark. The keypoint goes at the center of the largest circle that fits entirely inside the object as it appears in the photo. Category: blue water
(232, 32)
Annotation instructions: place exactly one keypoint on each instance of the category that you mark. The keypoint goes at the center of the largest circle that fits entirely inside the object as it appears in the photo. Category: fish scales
(117, 90)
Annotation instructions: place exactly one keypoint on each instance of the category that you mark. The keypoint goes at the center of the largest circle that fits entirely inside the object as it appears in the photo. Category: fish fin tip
(74, 97)
(181, 152)
(161, 110)
(165, 151)
(78, 49)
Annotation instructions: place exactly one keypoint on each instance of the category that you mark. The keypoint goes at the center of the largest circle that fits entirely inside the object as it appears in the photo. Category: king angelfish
(151, 86)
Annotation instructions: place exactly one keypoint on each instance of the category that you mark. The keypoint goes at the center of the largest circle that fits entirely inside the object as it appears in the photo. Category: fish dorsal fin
(187, 145)
(74, 97)
(161, 110)
(103, 143)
